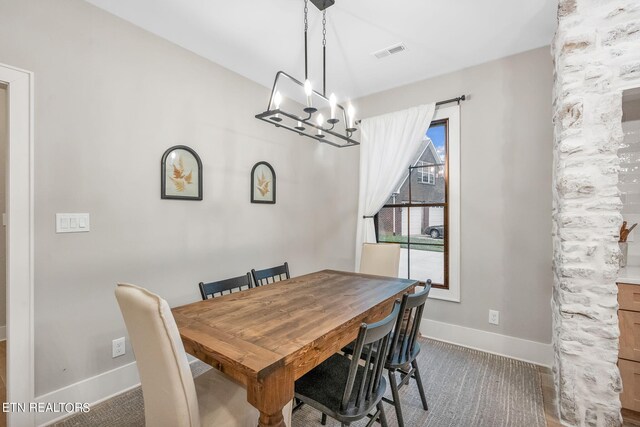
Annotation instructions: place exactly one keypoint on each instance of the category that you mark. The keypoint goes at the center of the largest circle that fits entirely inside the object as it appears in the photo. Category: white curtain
(389, 145)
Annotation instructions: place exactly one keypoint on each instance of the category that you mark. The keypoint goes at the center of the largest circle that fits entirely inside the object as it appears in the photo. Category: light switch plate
(72, 223)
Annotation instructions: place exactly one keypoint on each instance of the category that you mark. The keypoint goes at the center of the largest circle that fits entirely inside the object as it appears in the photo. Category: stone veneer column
(597, 55)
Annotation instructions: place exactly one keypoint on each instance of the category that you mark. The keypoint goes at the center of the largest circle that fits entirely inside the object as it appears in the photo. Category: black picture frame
(181, 183)
(257, 193)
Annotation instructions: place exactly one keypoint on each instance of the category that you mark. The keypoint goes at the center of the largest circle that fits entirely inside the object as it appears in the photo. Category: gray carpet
(464, 388)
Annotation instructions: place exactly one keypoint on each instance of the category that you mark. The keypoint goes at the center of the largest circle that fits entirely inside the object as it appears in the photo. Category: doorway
(20, 385)
(4, 133)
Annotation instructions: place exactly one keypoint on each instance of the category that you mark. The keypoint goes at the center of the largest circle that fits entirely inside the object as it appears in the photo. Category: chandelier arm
(275, 86)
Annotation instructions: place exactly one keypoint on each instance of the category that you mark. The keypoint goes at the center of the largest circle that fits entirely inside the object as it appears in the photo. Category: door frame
(20, 243)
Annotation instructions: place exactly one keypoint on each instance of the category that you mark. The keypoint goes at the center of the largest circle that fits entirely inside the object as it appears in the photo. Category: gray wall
(506, 137)
(110, 98)
(3, 170)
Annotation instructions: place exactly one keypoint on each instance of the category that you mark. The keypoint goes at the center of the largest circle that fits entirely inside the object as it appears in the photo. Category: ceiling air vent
(391, 50)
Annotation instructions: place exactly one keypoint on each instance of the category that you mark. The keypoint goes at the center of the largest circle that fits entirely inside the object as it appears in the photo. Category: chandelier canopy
(323, 119)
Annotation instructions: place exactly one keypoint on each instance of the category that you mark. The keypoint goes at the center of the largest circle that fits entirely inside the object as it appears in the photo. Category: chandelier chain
(324, 28)
(306, 11)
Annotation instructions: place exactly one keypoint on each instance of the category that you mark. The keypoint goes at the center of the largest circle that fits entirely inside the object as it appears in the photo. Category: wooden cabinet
(630, 372)
(629, 353)
(629, 297)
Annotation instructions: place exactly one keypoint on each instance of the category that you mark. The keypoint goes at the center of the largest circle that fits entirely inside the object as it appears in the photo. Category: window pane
(425, 244)
(427, 183)
(437, 133)
(428, 173)
(427, 180)
(390, 226)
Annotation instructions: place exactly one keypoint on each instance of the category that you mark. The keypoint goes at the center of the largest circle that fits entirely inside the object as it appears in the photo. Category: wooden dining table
(269, 336)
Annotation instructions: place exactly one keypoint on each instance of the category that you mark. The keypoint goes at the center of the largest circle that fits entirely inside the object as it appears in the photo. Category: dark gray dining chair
(213, 289)
(346, 390)
(405, 347)
(262, 277)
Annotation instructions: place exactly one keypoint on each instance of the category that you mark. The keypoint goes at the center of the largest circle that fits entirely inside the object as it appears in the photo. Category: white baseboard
(3, 333)
(91, 390)
(515, 348)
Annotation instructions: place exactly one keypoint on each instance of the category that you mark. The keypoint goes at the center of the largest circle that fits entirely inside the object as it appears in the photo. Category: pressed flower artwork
(263, 183)
(181, 174)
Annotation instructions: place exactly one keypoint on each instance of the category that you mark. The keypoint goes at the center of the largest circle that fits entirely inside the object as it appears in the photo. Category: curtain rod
(439, 103)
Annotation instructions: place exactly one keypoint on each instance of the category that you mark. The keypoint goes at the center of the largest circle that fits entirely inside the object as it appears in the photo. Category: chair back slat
(213, 289)
(372, 345)
(261, 277)
(417, 318)
(361, 392)
(407, 328)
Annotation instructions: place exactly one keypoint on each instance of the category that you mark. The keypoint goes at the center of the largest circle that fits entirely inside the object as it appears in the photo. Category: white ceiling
(257, 38)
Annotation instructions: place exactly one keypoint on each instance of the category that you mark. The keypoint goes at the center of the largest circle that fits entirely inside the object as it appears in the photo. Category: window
(426, 173)
(423, 213)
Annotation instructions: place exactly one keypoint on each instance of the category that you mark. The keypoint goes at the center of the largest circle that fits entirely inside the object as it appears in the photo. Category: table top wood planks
(268, 337)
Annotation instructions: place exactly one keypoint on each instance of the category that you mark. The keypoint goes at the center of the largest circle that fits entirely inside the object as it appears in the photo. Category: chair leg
(324, 419)
(420, 387)
(396, 397)
(382, 416)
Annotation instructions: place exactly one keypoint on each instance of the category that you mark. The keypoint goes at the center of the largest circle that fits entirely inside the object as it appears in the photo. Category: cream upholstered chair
(172, 397)
(381, 259)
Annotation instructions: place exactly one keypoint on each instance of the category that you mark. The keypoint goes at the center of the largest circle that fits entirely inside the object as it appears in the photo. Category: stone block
(627, 32)
(566, 7)
(630, 71)
(570, 114)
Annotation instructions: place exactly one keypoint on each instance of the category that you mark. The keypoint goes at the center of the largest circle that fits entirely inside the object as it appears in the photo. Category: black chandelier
(325, 120)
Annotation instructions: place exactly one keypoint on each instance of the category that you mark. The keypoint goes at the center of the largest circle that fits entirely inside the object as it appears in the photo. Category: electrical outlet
(117, 347)
(494, 317)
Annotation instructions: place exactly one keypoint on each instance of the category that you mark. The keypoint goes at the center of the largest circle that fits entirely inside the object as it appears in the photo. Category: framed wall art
(181, 174)
(263, 183)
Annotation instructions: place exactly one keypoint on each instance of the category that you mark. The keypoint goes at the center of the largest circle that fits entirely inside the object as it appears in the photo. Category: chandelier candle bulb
(351, 113)
(308, 90)
(333, 102)
(320, 123)
(277, 100)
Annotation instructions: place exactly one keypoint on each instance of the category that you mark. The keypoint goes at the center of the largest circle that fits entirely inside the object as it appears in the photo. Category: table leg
(276, 419)
(270, 393)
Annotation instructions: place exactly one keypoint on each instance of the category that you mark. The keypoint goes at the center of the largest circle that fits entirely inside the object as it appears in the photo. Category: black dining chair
(262, 277)
(346, 390)
(404, 349)
(213, 289)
